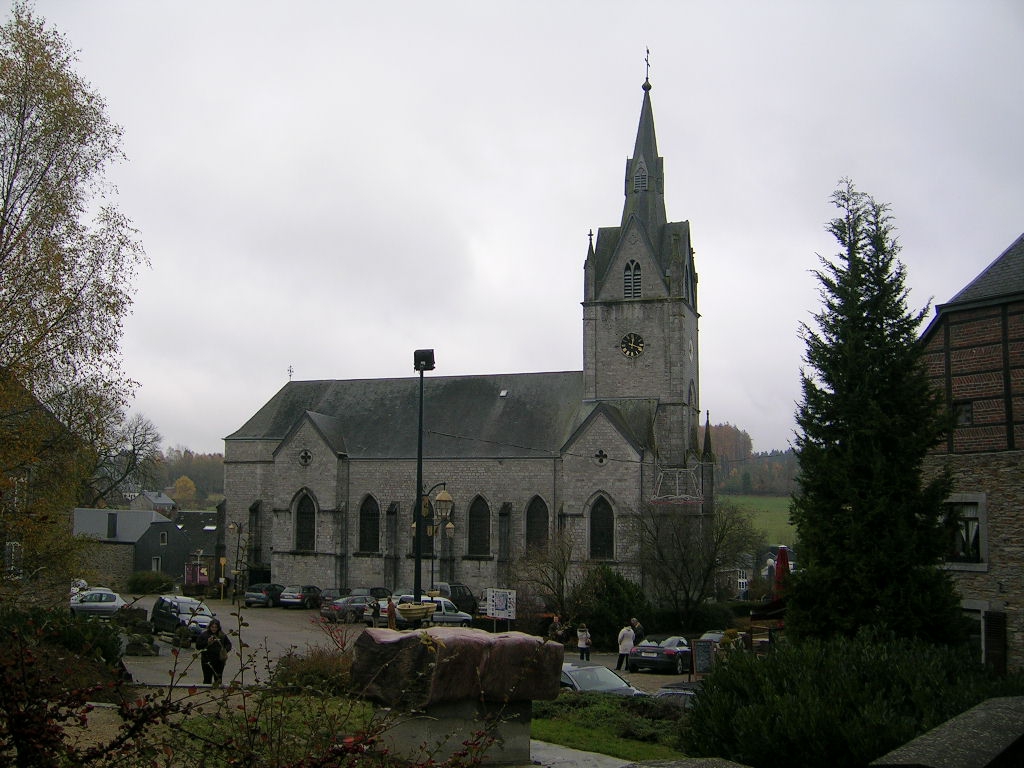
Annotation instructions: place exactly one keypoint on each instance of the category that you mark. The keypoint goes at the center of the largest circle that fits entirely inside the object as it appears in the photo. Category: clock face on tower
(632, 345)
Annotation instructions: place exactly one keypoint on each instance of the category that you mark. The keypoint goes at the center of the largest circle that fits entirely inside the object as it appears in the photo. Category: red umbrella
(781, 571)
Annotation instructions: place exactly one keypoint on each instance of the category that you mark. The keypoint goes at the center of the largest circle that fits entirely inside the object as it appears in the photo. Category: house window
(966, 531)
(602, 530)
(631, 281)
(156, 565)
(111, 525)
(537, 525)
(305, 524)
(963, 414)
(163, 538)
(479, 541)
(369, 525)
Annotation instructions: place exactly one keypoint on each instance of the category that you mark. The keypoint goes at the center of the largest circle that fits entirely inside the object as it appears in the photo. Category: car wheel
(464, 624)
(679, 666)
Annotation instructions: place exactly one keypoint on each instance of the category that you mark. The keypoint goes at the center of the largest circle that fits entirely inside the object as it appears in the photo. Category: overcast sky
(328, 186)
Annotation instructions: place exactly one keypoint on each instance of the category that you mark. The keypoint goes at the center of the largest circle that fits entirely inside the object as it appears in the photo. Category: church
(321, 482)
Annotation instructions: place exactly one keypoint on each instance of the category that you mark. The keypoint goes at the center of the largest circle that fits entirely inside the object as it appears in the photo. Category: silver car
(97, 602)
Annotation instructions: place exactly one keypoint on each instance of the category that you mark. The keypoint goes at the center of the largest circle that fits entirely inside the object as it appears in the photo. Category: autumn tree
(684, 550)
(67, 261)
(870, 529)
(184, 493)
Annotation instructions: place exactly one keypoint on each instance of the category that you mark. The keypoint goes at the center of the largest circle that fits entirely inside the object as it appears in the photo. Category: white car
(445, 613)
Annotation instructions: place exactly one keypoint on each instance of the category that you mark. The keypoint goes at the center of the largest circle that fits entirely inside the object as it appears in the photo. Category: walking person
(583, 642)
(625, 646)
(215, 646)
(392, 614)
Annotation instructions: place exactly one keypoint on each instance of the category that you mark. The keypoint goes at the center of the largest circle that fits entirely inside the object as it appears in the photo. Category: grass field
(771, 513)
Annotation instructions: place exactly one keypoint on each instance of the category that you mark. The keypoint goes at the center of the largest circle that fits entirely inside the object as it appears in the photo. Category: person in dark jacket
(638, 630)
(215, 646)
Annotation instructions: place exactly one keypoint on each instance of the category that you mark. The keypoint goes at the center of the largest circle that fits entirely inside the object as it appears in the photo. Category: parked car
(347, 610)
(77, 595)
(170, 612)
(660, 654)
(592, 676)
(331, 594)
(445, 612)
(301, 595)
(681, 694)
(461, 595)
(97, 602)
(267, 595)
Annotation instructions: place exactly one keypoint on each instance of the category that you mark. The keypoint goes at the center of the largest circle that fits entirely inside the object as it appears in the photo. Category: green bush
(843, 702)
(640, 718)
(150, 583)
(323, 670)
(710, 616)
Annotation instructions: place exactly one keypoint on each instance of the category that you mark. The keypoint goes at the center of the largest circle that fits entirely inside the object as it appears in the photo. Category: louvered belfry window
(631, 281)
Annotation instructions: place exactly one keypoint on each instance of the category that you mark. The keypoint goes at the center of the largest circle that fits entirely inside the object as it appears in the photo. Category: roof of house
(490, 416)
(1003, 277)
(131, 523)
(158, 498)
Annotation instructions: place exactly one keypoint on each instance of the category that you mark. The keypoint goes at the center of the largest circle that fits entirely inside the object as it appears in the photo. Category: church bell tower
(640, 315)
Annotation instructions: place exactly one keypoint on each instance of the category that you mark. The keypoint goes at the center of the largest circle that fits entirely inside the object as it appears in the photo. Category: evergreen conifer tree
(871, 530)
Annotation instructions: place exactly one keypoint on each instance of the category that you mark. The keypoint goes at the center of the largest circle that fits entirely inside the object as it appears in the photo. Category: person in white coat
(625, 646)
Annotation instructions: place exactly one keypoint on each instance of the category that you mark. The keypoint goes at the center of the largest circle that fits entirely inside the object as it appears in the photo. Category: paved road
(267, 634)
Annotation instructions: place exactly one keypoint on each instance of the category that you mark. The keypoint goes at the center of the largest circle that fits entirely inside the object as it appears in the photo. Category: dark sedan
(661, 654)
(300, 595)
(267, 595)
(594, 677)
(347, 610)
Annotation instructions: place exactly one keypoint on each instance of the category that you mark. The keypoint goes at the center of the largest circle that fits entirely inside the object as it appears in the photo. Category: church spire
(645, 181)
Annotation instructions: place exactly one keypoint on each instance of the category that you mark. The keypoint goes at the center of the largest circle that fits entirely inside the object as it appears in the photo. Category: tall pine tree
(871, 531)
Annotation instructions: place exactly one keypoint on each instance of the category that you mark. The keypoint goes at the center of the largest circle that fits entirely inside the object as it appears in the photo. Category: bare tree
(547, 572)
(683, 551)
(127, 461)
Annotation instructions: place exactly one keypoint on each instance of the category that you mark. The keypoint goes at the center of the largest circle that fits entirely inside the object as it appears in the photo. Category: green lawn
(771, 513)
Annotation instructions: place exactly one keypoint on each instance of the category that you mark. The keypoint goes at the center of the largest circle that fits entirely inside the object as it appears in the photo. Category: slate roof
(463, 416)
(131, 523)
(1003, 277)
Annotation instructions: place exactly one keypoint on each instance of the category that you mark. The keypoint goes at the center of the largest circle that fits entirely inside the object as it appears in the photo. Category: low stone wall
(990, 735)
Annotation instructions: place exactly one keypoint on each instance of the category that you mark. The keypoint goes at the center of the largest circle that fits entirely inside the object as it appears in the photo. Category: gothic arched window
(479, 542)
(631, 281)
(537, 524)
(305, 524)
(602, 530)
(369, 525)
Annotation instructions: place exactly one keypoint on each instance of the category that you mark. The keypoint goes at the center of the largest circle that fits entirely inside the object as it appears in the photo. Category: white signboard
(500, 603)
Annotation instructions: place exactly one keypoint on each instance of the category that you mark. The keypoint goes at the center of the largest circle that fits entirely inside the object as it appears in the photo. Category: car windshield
(596, 679)
(293, 588)
(195, 609)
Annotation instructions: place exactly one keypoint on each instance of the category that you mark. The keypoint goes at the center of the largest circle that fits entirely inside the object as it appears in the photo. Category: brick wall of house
(108, 564)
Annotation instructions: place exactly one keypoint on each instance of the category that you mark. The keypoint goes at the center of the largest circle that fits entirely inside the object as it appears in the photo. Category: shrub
(605, 600)
(323, 670)
(150, 583)
(843, 702)
(710, 616)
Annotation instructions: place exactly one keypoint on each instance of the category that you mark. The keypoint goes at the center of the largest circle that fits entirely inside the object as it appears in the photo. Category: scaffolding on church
(678, 485)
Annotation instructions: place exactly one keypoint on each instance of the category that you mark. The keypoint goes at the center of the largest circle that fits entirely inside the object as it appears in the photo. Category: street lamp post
(236, 571)
(442, 526)
(422, 360)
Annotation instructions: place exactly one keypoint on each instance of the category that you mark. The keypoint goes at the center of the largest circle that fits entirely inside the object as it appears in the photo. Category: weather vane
(290, 372)
(647, 61)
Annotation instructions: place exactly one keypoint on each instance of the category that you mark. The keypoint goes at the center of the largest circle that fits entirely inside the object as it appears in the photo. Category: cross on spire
(290, 372)
(647, 62)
